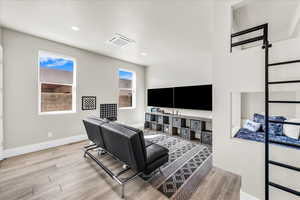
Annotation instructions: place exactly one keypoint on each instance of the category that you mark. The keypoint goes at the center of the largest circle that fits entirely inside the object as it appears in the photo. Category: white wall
(96, 75)
(243, 71)
(190, 72)
(1, 97)
(253, 102)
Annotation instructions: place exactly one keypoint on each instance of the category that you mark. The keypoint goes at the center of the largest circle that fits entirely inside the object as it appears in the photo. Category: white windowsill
(127, 108)
(57, 112)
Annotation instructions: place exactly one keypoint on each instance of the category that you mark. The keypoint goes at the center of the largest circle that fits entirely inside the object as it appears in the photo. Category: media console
(188, 127)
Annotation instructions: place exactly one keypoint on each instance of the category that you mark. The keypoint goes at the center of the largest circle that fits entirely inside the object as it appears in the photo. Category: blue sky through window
(58, 63)
(125, 75)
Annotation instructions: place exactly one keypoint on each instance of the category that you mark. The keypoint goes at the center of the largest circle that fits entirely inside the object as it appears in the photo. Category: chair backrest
(93, 130)
(94, 117)
(138, 131)
(125, 144)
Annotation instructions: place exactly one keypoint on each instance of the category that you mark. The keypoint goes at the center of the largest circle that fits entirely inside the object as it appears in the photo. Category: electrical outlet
(50, 134)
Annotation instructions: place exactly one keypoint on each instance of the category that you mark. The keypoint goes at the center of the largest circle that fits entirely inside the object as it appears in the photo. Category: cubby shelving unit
(187, 127)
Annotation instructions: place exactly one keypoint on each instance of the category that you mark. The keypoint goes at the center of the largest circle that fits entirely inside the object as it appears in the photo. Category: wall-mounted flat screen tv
(193, 97)
(162, 97)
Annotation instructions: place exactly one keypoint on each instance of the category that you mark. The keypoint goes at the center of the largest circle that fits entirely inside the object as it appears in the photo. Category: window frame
(133, 89)
(74, 86)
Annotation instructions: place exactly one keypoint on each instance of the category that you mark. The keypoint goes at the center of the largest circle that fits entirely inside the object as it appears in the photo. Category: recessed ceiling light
(144, 54)
(75, 28)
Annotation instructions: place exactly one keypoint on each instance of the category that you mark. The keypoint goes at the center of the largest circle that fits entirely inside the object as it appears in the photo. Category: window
(126, 89)
(57, 84)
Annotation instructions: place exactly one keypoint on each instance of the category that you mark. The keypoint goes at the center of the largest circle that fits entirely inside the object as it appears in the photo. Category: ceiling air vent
(120, 41)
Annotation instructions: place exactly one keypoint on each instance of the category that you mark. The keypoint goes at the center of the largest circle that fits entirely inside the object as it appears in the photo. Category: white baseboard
(246, 196)
(41, 146)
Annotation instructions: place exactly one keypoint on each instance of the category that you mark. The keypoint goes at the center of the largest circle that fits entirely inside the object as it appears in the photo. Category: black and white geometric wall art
(108, 111)
(89, 103)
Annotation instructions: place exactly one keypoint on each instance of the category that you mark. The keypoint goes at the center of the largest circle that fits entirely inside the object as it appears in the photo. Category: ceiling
(282, 15)
(168, 30)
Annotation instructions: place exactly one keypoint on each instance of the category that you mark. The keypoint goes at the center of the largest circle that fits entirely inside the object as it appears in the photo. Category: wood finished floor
(63, 173)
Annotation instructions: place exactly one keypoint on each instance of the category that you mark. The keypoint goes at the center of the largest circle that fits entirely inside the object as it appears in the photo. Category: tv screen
(193, 97)
(162, 97)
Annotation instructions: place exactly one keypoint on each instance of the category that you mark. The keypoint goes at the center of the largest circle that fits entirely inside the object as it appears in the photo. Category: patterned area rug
(188, 163)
